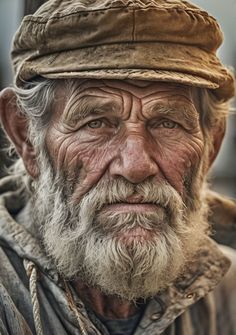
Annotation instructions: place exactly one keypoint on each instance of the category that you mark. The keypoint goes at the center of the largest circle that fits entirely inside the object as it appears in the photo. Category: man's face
(120, 129)
(123, 157)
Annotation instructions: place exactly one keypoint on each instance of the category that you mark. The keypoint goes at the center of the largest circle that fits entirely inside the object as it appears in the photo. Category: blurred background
(223, 174)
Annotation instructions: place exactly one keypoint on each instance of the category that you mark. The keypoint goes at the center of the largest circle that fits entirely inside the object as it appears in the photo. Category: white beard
(83, 240)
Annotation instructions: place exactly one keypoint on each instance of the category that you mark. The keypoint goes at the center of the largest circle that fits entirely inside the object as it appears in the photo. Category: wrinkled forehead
(110, 90)
(138, 88)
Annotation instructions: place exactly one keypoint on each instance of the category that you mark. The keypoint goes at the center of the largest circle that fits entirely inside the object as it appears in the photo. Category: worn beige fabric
(222, 217)
(122, 39)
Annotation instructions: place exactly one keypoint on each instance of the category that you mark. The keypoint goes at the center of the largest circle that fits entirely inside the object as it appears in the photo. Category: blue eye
(95, 124)
(169, 124)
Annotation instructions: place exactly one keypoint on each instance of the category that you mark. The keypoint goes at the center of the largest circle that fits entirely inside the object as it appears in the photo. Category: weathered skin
(135, 130)
(129, 132)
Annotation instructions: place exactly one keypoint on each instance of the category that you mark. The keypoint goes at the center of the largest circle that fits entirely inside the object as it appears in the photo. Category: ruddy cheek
(86, 165)
(178, 162)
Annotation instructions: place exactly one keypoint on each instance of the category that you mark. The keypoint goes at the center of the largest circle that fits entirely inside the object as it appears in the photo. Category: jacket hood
(17, 236)
(222, 217)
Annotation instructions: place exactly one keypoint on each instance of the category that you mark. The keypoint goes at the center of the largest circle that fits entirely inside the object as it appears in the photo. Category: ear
(15, 125)
(217, 134)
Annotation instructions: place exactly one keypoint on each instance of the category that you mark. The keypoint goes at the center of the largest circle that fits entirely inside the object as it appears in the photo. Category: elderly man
(117, 113)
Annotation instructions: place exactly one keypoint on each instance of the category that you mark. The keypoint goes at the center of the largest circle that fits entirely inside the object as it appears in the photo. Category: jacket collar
(200, 277)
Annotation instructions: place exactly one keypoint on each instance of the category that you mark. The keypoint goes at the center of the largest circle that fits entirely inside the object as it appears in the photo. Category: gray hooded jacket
(35, 300)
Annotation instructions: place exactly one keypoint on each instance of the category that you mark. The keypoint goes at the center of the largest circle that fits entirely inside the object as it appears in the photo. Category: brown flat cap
(159, 40)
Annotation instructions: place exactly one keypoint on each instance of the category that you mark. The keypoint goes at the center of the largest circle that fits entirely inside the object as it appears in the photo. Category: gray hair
(35, 102)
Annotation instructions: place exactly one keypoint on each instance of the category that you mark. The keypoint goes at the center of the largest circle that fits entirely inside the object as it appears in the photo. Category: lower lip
(137, 208)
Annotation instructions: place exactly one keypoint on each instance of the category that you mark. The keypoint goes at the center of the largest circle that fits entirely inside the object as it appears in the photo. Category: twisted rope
(32, 274)
(75, 310)
(31, 271)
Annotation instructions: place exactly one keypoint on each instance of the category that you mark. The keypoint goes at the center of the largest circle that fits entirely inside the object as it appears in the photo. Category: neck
(104, 305)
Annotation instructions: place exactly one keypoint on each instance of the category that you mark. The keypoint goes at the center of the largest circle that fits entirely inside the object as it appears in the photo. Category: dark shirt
(121, 326)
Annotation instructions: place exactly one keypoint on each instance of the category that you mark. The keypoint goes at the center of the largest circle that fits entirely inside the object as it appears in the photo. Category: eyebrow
(80, 108)
(189, 113)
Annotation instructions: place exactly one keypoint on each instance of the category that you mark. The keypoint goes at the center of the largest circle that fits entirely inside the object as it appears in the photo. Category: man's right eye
(95, 124)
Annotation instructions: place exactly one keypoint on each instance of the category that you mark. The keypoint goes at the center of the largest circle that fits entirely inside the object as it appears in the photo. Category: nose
(134, 162)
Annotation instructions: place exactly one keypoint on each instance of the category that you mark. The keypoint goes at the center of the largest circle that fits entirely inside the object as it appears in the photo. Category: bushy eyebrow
(188, 114)
(80, 108)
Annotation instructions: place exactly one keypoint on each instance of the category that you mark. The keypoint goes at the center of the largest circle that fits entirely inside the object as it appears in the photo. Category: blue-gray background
(224, 170)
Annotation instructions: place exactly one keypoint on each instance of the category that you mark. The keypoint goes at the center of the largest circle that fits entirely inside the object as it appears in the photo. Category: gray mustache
(108, 192)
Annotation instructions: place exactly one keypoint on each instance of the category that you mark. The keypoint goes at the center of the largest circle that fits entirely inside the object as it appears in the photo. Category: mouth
(132, 204)
(138, 234)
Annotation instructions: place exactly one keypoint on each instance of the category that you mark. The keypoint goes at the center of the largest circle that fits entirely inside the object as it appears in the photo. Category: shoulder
(15, 303)
(229, 281)
(222, 217)
(225, 297)
(215, 313)
(11, 321)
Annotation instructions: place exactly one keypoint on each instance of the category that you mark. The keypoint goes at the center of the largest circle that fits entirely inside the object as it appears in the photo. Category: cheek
(81, 159)
(179, 158)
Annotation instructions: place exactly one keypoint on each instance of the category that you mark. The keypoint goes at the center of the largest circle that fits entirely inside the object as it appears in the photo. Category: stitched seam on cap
(133, 31)
(35, 18)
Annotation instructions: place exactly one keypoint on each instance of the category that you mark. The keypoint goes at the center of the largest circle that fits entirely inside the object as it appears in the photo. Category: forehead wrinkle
(112, 91)
(123, 90)
(167, 97)
(93, 90)
(81, 107)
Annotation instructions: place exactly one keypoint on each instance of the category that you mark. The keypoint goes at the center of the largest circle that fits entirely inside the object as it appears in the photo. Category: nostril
(133, 170)
(134, 162)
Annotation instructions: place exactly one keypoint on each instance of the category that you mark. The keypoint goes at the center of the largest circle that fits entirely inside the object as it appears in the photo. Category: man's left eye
(169, 124)
(95, 124)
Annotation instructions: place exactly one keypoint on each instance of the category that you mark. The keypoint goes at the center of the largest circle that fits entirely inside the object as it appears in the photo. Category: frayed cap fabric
(122, 39)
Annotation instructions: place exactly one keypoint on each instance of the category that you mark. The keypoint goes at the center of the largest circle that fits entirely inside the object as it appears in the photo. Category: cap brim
(142, 61)
(152, 75)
